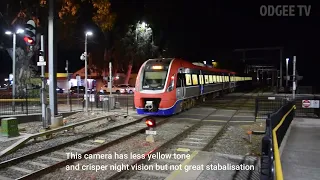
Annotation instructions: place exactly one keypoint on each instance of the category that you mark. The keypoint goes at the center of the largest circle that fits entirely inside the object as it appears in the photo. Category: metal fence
(265, 105)
(277, 125)
(30, 103)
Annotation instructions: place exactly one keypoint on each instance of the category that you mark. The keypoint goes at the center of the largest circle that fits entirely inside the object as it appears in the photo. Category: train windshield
(154, 80)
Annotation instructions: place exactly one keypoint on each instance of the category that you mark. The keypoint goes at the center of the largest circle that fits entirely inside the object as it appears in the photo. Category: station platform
(300, 157)
(211, 166)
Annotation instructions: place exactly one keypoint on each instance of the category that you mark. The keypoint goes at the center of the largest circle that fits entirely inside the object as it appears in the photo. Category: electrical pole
(52, 62)
(86, 73)
(281, 68)
(67, 70)
(43, 85)
(14, 72)
(294, 78)
(110, 76)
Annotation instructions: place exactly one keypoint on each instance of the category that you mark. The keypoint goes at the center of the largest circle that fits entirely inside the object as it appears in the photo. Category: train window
(214, 78)
(221, 79)
(206, 79)
(194, 79)
(201, 79)
(226, 78)
(188, 80)
(210, 79)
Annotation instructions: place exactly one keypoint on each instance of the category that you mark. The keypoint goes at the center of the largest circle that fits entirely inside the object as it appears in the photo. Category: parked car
(82, 90)
(118, 89)
(106, 89)
(127, 88)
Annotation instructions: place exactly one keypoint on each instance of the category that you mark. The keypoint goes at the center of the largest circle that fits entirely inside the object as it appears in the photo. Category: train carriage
(169, 85)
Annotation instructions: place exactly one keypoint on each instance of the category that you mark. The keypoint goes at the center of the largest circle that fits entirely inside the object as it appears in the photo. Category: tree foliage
(103, 16)
(68, 14)
(135, 47)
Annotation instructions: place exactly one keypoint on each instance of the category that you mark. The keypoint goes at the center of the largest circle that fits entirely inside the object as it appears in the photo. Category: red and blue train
(168, 86)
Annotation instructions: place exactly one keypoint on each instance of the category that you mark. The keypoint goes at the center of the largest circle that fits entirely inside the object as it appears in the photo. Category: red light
(149, 123)
(28, 40)
(172, 77)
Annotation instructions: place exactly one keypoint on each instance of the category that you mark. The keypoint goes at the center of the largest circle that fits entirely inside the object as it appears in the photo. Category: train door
(181, 88)
(201, 82)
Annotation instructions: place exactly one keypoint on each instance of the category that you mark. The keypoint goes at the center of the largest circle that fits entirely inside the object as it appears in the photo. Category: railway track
(199, 137)
(38, 163)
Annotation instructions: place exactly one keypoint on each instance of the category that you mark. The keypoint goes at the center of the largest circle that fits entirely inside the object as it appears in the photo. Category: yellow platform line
(185, 162)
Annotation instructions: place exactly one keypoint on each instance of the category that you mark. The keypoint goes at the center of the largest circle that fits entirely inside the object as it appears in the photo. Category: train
(167, 86)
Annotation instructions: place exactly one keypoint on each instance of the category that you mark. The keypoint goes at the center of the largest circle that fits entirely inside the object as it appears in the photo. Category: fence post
(127, 105)
(256, 109)
(27, 101)
(70, 103)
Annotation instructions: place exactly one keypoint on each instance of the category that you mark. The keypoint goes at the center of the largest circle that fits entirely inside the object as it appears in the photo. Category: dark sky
(205, 30)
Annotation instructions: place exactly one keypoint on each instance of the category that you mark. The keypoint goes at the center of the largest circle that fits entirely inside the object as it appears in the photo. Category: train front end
(155, 88)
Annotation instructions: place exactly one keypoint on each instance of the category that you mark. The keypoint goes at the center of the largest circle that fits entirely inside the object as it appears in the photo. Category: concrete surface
(301, 155)
(208, 167)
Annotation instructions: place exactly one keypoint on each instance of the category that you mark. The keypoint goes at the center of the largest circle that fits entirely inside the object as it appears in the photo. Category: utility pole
(42, 63)
(14, 72)
(294, 78)
(52, 62)
(67, 70)
(281, 68)
(110, 76)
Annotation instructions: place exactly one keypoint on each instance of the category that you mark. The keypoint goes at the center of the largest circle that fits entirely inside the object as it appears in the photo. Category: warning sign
(310, 103)
(305, 103)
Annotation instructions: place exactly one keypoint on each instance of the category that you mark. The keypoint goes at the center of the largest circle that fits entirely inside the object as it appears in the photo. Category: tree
(135, 47)
(105, 19)
(68, 15)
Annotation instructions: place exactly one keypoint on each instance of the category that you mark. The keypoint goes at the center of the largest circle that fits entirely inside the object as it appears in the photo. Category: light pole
(86, 69)
(287, 73)
(14, 64)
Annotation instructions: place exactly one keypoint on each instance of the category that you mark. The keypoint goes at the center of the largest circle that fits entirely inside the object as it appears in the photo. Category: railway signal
(151, 123)
(30, 33)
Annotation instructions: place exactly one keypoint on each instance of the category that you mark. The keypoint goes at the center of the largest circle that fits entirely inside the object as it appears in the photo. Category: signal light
(150, 122)
(28, 40)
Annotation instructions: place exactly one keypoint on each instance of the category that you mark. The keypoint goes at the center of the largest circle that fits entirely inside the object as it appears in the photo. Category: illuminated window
(226, 78)
(214, 78)
(201, 79)
(210, 79)
(188, 80)
(206, 79)
(218, 79)
(195, 79)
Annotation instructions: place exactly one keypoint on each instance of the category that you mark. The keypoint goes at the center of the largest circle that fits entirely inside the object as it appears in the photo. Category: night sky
(205, 30)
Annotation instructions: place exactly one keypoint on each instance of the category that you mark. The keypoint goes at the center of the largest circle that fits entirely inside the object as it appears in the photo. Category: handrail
(278, 167)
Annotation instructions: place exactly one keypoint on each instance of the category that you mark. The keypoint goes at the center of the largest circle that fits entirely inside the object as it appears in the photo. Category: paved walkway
(301, 155)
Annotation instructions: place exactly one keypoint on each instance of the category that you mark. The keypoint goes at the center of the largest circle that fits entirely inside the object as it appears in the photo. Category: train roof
(204, 67)
(196, 65)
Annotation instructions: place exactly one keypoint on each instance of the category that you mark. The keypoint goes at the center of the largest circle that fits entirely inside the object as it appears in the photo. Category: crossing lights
(151, 123)
(30, 33)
